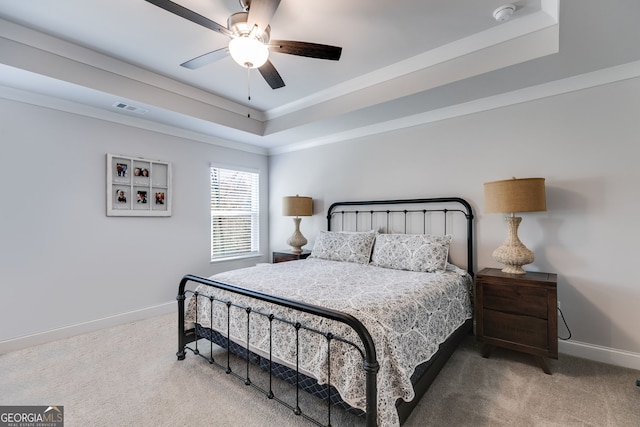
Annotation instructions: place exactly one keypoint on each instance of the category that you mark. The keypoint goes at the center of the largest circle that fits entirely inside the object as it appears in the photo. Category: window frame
(253, 212)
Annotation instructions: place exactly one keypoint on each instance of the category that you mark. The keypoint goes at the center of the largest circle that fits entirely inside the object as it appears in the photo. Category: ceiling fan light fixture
(248, 51)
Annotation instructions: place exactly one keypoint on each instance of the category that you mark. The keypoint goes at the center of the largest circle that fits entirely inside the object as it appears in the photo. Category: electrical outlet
(559, 304)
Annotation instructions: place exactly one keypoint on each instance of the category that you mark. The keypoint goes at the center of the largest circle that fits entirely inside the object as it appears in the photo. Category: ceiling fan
(250, 44)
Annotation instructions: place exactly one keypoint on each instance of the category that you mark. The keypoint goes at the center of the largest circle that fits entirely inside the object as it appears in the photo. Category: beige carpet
(129, 376)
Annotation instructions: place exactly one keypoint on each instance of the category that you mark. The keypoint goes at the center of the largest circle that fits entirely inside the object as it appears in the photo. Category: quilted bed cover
(408, 314)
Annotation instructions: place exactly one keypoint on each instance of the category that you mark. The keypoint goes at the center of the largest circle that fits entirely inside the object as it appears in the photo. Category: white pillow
(344, 246)
(413, 252)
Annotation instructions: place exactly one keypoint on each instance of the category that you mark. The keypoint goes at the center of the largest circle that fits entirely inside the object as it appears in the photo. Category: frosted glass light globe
(248, 52)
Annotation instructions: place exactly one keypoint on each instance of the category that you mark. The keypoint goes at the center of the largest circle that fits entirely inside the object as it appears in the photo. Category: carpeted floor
(129, 376)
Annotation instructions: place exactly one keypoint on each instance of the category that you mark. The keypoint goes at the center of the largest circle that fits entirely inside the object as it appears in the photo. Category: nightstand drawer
(514, 299)
(523, 330)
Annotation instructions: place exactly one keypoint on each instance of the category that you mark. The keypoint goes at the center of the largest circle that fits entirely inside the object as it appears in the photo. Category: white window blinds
(234, 213)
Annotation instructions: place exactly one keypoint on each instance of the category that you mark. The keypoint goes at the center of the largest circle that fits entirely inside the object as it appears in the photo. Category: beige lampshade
(297, 206)
(515, 195)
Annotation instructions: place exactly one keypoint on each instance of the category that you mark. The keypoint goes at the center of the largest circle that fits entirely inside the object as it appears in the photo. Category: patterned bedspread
(408, 314)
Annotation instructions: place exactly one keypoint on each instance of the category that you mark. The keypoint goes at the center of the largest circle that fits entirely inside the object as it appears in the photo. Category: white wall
(584, 143)
(63, 262)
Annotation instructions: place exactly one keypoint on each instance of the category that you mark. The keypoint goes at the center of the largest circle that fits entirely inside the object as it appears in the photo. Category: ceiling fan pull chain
(249, 89)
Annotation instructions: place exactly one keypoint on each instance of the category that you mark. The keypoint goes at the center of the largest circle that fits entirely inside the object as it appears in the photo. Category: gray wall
(63, 262)
(65, 266)
(585, 143)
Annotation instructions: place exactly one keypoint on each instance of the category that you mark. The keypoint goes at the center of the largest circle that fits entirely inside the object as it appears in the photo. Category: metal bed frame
(349, 213)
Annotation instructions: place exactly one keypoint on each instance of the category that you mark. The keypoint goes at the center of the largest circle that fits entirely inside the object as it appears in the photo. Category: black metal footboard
(368, 353)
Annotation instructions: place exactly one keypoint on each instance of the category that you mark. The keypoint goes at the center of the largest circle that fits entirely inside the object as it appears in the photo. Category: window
(234, 213)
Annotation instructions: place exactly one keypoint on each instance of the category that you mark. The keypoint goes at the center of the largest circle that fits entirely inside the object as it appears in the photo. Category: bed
(366, 322)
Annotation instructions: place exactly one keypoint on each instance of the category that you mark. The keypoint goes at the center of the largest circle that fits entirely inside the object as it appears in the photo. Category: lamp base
(297, 240)
(513, 253)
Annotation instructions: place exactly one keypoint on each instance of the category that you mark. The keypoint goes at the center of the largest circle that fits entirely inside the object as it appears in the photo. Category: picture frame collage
(138, 186)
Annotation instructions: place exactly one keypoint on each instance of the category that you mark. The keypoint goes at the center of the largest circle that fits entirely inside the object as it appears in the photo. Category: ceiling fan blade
(271, 75)
(261, 12)
(311, 50)
(206, 59)
(191, 16)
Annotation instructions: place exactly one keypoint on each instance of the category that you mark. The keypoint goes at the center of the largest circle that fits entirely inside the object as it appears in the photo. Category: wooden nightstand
(284, 256)
(519, 312)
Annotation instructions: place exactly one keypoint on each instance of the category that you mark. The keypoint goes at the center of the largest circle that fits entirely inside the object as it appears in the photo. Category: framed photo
(138, 187)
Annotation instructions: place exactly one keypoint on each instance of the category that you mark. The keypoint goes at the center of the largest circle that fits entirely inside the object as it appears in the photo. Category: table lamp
(511, 196)
(297, 206)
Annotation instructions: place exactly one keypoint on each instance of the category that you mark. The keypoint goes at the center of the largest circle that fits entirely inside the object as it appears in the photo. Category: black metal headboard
(410, 216)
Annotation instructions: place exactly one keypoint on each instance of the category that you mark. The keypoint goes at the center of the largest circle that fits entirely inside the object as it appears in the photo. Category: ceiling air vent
(129, 108)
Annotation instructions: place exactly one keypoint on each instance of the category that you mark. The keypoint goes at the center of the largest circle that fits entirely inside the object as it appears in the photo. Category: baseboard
(85, 327)
(602, 354)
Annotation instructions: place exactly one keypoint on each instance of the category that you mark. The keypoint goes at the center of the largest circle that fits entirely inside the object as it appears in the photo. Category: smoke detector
(504, 12)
